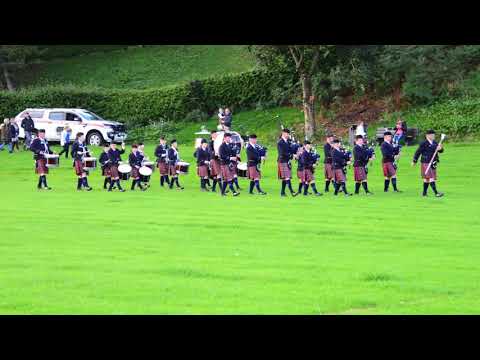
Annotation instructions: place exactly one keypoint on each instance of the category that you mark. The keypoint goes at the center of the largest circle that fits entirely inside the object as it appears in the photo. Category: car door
(56, 123)
(74, 121)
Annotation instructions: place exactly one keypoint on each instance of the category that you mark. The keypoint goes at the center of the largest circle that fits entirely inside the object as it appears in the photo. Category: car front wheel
(95, 139)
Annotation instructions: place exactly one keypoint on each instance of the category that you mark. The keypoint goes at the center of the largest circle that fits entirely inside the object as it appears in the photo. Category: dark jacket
(327, 151)
(135, 160)
(104, 161)
(114, 156)
(161, 153)
(76, 148)
(227, 120)
(173, 156)
(389, 152)
(426, 150)
(253, 155)
(202, 156)
(38, 146)
(284, 151)
(225, 153)
(339, 159)
(360, 156)
(28, 124)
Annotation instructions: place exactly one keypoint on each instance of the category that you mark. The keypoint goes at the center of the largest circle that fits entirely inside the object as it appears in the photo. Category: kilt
(215, 168)
(329, 174)
(389, 170)
(430, 175)
(227, 173)
(234, 169)
(284, 171)
(106, 171)
(308, 176)
(172, 170)
(202, 171)
(253, 173)
(41, 166)
(300, 174)
(163, 168)
(135, 174)
(114, 171)
(78, 165)
(339, 175)
(359, 173)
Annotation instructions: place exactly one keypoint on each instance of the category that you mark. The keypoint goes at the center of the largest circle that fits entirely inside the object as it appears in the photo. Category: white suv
(96, 129)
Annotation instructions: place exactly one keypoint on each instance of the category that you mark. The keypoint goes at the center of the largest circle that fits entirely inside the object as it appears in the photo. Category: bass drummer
(79, 152)
(40, 148)
(114, 156)
(135, 160)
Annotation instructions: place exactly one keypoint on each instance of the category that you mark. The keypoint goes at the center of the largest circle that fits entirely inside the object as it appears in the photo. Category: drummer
(141, 151)
(40, 148)
(114, 155)
(203, 161)
(173, 158)
(105, 163)
(79, 152)
(215, 171)
(161, 154)
(135, 160)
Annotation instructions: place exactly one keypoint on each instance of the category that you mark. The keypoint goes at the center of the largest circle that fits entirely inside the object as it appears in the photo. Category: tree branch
(316, 56)
(298, 60)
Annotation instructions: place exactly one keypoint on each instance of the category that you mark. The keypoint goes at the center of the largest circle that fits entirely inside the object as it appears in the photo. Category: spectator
(400, 131)
(360, 130)
(7, 134)
(2, 136)
(65, 141)
(14, 132)
(29, 127)
(227, 120)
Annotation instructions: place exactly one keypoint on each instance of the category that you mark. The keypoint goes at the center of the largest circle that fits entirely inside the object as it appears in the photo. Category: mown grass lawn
(170, 252)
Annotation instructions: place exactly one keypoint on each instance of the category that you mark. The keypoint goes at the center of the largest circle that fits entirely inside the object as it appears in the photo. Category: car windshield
(88, 115)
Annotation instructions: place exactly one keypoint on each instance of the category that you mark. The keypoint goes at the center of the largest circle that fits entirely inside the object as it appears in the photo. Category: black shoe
(251, 193)
(180, 188)
(424, 195)
(110, 190)
(398, 191)
(357, 193)
(262, 193)
(318, 194)
(439, 194)
(294, 194)
(223, 194)
(236, 193)
(204, 190)
(368, 193)
(144, 189)
(348, 194)
(89, 188)
(122, 190)
(47, 188)
(283, 195)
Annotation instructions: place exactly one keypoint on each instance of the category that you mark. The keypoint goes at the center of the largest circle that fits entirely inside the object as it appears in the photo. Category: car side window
(72, 117)
(57, 116)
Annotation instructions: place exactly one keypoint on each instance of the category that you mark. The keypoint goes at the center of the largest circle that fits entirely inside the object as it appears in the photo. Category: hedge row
(142, 107)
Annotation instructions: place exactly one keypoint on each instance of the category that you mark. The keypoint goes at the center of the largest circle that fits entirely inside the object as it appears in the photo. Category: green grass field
(171, 252)
(140, 68)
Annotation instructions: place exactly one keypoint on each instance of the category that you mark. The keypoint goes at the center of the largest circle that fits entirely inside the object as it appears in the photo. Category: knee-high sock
(425, 188)
(337, 187)
(134, 183)
(289, 183)
(327, 185)
(365, 186)
(170, 184)
(394, 184)
(252, 185)
(387, 184)
(344, 187)
(357, 188)
(112, 183)
(45, 180)
(230, 185)
(235, 180)
(305, 191)
(202, 183)
(207, 182)
(85, 182)
(176, 182)
(214, 185)
(105, 182)
(162, 180)
(79, 183)
(257, 185)
(434, 187)
(223, 186)
(118, 184)
(300, 187)
(314, 188)
(284, 184)
(40, 181)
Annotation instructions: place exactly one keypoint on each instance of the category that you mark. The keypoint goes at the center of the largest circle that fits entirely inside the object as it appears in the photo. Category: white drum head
(180, 163)
(124, 168)
(236, 138)
(242, 166)
(145, 171)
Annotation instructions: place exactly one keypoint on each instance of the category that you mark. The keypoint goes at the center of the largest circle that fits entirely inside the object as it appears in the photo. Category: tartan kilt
(41, 166)
(234, 168)
(227, 173)
(359, 173)
(172, 170)
(284, 171)
(300, 174)
(163, 168)
(308, 176)
(114, 171)
(215, 169)
(202, 171)
(253, 173)
(430, 175)
(328, 171)
(135, 173)
(78, 165)
(389, 170)
(106, 171)
(339, 175)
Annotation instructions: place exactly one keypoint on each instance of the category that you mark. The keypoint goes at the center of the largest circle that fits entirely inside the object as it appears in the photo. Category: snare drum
(148, 164)
(89, 163)
(242, 170)
(145, 173)
(182, 167)
(124, 171)
(53, 160)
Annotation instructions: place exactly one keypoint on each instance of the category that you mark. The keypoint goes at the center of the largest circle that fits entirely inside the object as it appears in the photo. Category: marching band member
(79, 151)
(161, 154)
(135, 160)
(390, 154)
(105, 162)
(227, 156)
(215, 170)
(328, 169)
(361, 158)
(300, 168)
(143, 157)
(173, 159)
(308, 160)
(203, 159)
(427, 149)
(254, 159)
(40, 147)
(234, 164)
(284, 166)
(339, 161)
(114, 157)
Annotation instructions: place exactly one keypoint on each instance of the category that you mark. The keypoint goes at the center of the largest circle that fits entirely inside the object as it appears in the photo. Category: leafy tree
(14, 57)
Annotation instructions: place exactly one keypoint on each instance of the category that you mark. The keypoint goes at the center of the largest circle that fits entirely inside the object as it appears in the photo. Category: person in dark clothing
(227, 156)
(65, 141)
(227, 120)
(28, 127)
(79, 152)
(12, 136)
(215, 170)
(105, 163)
(114, 157)
(340, 160)
(309, 160)
(427, 149)
(285, 155)
(135, 161)
(254, 159)
(161, 153)
(327, 161)
(203, 161)
(390, 153)
(173, 157)
(40, 148)
(361, 158)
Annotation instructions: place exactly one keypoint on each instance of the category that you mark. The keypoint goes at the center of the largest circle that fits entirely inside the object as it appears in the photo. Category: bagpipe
(262, 150)
(397, 149)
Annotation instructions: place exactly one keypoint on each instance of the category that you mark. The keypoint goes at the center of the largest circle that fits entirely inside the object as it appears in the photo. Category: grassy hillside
(140, 68)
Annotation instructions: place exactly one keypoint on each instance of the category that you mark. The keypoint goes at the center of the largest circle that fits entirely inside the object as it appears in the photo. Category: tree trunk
(308, 108)
(8, 79)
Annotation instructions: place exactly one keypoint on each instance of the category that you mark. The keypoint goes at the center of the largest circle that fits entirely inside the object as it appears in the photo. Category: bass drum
(145, 173)
(236, 139)
(124, 171)
(242, 170)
